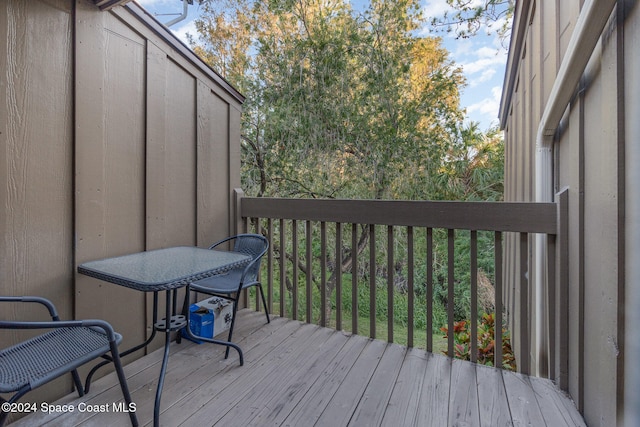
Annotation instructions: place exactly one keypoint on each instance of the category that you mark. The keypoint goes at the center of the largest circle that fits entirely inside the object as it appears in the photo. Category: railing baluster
(338, 273)
(551, 305)
(270, 267)
(497, 352)
(524, 305)
(410, 299)
(294, 261)
(354, 278)
(283, 270)
(323, 273)
(309, 273)
(372, 281)
(450, 289)
(429, 301)
(474, 295)
(256, 291)
(390, 285)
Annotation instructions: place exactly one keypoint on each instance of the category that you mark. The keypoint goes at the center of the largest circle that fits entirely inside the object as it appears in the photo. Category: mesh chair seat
(65, 346)
(230, 284)
(223, 283)
(50, 355)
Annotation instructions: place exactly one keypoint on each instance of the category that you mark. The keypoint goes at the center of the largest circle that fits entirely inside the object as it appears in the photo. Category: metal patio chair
(64, 348)
(230, 285)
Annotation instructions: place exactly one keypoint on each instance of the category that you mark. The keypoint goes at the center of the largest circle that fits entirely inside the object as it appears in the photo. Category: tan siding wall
(110, 162)
(132, 147)
(36, 194)
(587, 162)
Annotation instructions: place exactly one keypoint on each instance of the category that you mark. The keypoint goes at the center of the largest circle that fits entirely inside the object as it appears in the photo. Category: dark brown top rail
(494, 216)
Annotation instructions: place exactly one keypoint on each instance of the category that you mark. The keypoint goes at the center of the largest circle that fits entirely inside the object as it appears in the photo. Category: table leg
(128, 351)
(210, 340)
(165, 360)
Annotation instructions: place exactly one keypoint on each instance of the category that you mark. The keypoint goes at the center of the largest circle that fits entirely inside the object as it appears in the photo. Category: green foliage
(467, 18)
(486, 342)
(346, 104)
(339, 103)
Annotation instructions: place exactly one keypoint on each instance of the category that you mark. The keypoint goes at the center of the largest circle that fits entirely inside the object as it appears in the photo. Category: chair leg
(5, 414)
(264, 302)
(77, 382)
(233, 321)
(123, 384)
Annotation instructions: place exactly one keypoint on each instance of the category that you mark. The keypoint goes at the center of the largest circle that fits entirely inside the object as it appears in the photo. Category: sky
(482, 58)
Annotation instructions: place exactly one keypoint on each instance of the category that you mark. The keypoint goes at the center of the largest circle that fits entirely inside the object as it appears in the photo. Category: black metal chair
(64, 348)
(230, 285)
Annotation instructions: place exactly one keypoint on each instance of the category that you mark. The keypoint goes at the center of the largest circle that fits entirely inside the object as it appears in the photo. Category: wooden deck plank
(192, 368)
(492, 398)
(311, 406)
(340, 408)
(405, 399)
(245, 380)
(375, 398)
(434, 399)
(264, 344)
(297, 374)
(556, 407)
(463, 403)
(105, 390)
(284, 392)
(522, 400)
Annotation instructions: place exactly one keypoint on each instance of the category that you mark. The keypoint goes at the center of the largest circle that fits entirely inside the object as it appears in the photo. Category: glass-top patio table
(164, 270)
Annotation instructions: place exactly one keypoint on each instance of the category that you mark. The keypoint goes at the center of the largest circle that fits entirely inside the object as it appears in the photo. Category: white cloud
(182, 30)
(436, 8)
(482, 64)
(489, 107)
(484, 77)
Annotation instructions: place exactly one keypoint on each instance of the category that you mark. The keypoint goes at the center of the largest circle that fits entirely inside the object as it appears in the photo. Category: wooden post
(562, 285)
(238, 194)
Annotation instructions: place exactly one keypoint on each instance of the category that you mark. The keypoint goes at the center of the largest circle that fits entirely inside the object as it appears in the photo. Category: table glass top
(163, 268)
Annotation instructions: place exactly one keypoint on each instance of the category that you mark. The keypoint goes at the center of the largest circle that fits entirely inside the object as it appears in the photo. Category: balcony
(300, 374)
(320, 363)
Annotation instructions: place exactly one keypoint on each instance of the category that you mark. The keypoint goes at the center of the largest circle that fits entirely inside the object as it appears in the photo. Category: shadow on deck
(297, 374)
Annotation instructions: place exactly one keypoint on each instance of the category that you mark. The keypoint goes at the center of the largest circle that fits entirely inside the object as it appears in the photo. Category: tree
(469, 16)
(339, 103)
(356, 96)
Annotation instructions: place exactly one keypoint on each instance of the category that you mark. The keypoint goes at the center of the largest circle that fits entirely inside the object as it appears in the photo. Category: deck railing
(330, 247)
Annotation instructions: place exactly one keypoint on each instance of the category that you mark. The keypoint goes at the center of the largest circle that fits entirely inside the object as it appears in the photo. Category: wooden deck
(298, 374)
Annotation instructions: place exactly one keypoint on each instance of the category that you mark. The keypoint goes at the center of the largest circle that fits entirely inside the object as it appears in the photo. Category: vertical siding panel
(36, 162)
(36, 152)
(213, 186)
(171, 153)
(110, 163)
(601, 231)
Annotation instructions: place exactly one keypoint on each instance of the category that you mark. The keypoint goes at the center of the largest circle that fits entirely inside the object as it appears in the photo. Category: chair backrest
(254, 245)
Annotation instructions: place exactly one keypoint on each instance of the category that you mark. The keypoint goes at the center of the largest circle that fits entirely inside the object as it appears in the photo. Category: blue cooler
(200, 323)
